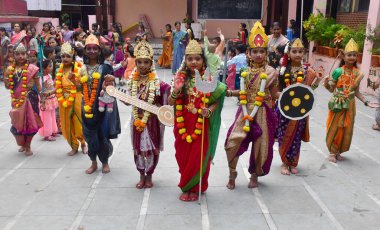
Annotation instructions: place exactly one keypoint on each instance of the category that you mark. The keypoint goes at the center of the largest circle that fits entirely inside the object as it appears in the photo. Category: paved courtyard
(50, 190)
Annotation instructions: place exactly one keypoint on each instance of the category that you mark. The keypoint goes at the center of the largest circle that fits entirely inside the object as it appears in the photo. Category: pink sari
(29, 122)
(18, 37)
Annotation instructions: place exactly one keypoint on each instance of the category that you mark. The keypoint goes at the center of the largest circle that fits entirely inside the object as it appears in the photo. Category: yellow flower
(244, 74)
(84, 79)
(21, 101)
(200, 120)
(189, 139)
(58, 82)
(59, 90)
(11, 76)
(11, 68)
(11, 91)
(17, 105)
(24, 78)
(96, 75)
(180, 119)
(24, 71)
(242, 92)
(64, 104)
(199, 111)
(23, 85)
(263, 76)
(198, 131)
(23, 93)
(11, 83)
(59, 75)
(243, 102)
(258, 103)
(73, 91)
(182, 131)
(205, 100)
(60, 99)
(13, 99)
(246, 129)
(71, 99)
(89, 115)
(261, 94)
(87, 108)
(179, 107)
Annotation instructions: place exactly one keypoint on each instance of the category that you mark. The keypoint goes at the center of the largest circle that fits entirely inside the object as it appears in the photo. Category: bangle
(366, 103)
(229, 93)
(174, 95)
(209, 113)
(314, 86)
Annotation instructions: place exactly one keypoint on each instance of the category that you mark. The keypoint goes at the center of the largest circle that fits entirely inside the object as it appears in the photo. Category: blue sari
(179, 46)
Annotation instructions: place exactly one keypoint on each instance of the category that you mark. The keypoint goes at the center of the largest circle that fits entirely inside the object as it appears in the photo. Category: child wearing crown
(255, 119)
(69, 96)
(21, 78)
(147, 132)
(344, 84)
(290, 133)
(98, 127)
(192, 109)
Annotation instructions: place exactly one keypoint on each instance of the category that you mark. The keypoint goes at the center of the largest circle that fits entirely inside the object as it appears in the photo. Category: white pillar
(373, 20)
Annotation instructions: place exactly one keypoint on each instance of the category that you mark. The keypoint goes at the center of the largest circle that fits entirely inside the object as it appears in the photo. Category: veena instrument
(164, 113)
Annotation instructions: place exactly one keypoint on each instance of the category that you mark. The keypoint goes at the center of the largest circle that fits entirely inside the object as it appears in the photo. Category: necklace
(66, 99)
(17, 102)
(151, 82)
(260, 94)
(348, 79)
(90, 86)
(297, 75)
(179, 112)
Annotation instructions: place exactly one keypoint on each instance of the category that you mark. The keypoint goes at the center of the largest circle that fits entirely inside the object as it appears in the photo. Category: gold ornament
(258, 38)
(143, 50)
(297, 44)
(92, 40)
(351, 46)
(20, 48)
(193, 48)
(66, 48)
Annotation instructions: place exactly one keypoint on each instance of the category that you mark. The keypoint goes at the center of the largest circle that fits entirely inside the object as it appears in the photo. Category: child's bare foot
(231, 181)
(21, 149)
(141, 183)
(253, 183)
(28, 152)
(184, 196)
(285, 170)
(148, 181)
(106, 168)
(293, 170)
(332, 158)
(193, 196)
(84, 148)
(339, 157)
(93, 168)
(72, 152)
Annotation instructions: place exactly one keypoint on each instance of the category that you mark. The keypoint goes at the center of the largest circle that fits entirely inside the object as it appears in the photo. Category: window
(363, 5)
(344, 6)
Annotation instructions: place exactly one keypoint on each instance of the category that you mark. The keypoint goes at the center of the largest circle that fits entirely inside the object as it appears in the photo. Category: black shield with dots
(296, 101)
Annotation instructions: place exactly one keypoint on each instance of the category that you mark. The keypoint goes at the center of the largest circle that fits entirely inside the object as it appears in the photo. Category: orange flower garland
(152, 78)
(181, 120)
(17, 102)
(73, 91)
(90, 99)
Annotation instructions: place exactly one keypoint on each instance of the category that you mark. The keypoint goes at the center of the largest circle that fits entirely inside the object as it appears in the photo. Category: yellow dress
(71, 116)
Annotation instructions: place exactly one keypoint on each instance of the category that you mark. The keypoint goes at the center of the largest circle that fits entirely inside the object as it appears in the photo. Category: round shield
(296, 101)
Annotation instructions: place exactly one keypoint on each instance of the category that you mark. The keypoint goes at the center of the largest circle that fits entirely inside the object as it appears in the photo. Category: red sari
(188, 155)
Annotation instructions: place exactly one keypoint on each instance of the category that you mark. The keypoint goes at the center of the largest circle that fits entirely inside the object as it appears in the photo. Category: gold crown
(66, 48)
(297, 44)
(91, 40)
(258, 38)
(20, 48)
(193, 48)
(143, 50)
(351, 46)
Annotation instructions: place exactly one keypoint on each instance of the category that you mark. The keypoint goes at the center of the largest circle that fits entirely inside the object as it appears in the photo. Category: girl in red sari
(21, 78)
(191, 112)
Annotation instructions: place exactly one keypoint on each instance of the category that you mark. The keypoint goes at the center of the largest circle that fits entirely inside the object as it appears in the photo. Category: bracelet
(174, 95)
(209, 113)
(366, 103)
(229, 93)
(314, 86)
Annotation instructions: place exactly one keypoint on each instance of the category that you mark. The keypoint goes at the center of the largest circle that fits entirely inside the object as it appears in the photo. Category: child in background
(79, 54)
(130, 63)
(119, 58)
(48, 104)
(32, 57)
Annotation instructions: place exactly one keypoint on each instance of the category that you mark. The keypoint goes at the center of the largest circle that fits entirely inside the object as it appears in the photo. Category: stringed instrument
(164, 113)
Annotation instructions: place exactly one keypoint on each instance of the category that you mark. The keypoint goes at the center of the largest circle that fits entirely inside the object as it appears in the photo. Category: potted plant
(375, 57)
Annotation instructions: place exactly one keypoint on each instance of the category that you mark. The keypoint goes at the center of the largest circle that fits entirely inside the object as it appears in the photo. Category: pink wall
(292, 11)
(162, 12)
(158, 13)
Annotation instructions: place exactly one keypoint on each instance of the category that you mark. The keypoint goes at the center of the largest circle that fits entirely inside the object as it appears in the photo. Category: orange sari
(167, 48)
(340, 124)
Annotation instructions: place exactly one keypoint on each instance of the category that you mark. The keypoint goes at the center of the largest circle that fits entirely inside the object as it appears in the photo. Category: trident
(205, 86)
